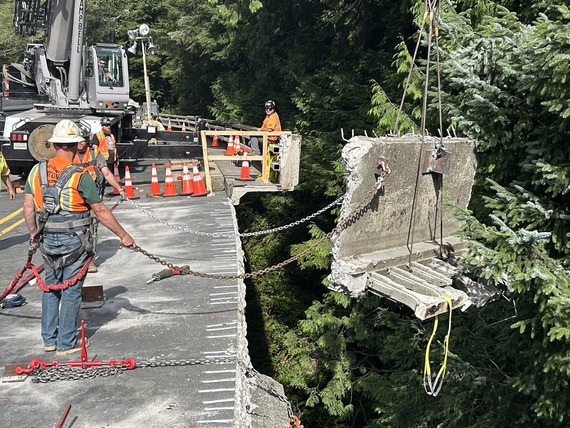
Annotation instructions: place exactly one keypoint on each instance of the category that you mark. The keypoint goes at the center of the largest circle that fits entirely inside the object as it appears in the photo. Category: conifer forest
(332, 64)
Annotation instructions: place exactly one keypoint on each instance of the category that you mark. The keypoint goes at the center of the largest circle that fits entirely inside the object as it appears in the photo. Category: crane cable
(431, 14)
(433, 386)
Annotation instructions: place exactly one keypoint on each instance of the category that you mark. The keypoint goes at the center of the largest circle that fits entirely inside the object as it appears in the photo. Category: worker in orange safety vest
(104, 140)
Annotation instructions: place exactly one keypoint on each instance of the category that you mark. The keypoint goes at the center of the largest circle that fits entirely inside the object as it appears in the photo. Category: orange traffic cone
(199, 187)
(169, 127)
(169, 187)
(154, 185)
(117, 177)
(237, 146)
(187, 185)
(245, 174)
(129, 190)
(183, 126)
(230, 148)
(215, 142)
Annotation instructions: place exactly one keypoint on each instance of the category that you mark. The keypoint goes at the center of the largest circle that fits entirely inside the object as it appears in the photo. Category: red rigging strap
(16, 286)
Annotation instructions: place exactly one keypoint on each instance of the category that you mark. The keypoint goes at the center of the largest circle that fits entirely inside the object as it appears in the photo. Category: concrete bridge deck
(193, 328)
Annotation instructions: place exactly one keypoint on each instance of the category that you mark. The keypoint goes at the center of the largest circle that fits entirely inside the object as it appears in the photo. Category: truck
(63, 78)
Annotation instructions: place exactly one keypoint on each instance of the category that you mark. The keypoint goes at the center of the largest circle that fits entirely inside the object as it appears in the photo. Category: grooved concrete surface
(182, 319)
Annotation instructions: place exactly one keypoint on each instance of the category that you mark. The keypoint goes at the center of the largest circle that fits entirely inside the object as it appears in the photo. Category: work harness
(52, 219)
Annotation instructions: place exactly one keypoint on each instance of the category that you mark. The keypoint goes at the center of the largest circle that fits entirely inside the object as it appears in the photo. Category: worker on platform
(271, 123)
(93, 162)
(5, 175)
(59, 199)
(105, 142)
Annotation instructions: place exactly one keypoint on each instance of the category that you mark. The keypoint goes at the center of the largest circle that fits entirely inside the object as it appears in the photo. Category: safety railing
(232, 132)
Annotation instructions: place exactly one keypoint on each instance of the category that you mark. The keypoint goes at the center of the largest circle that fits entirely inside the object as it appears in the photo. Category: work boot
(92, 268)
(49, 348)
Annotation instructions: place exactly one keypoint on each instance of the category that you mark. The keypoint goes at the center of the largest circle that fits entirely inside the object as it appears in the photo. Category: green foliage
(507, 90)
(333, 64)
(390, 115)
(319, 256)
(12, 46)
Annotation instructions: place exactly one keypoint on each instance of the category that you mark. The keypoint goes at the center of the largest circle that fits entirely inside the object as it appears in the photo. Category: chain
(53, 374)
(61, 373)
(185, 270)
(267, 387)
(233, 234)
(190, 362)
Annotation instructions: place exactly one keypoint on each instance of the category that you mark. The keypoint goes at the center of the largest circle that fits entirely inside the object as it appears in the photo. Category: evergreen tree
(504, 87)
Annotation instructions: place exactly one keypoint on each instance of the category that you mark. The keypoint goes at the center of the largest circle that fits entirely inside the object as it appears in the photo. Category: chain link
(189, 362)
(233, 234)
(185, 270)
(61, 373)
(53, 374)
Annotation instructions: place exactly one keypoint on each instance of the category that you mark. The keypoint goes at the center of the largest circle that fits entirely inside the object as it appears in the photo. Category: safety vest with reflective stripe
(103, 146)
(273, 123)
(89, 163)
(70, 199)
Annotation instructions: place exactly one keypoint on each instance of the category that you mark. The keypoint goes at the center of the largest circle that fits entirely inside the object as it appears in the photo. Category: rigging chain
(62, 373)
(185, 270)
(233, 234)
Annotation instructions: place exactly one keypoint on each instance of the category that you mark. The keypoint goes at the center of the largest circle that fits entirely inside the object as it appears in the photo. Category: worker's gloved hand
(33, 245)
(123, 194)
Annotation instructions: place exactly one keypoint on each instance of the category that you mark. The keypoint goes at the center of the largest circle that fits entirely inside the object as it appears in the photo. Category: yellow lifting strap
(433, 386)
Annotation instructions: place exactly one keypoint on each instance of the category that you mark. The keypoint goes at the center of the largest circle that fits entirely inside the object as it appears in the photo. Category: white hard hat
(66, 132)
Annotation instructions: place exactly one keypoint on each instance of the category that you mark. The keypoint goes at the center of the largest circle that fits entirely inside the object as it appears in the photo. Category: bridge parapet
(407, 222)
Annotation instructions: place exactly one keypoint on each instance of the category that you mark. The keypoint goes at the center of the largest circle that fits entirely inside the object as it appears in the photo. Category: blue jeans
(60, 308)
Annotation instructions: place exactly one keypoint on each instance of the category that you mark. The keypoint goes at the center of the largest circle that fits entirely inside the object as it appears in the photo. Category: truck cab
(106, 78)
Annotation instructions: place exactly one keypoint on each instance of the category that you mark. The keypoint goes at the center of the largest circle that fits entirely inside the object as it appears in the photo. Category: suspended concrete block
(380, 248)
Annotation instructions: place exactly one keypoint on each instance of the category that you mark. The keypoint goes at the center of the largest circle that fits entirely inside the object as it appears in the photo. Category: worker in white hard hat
(59, 199)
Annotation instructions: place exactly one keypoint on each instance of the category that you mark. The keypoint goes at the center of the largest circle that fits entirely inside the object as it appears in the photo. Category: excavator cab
(106, 77)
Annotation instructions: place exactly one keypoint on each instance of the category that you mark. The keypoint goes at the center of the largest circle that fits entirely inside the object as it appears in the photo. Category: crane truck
(63, 78)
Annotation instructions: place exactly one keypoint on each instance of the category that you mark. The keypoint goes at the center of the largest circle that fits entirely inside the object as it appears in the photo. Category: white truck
(64, 78)
(70, 80)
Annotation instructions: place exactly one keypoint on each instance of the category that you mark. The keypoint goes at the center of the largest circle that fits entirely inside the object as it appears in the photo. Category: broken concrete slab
(409, 219)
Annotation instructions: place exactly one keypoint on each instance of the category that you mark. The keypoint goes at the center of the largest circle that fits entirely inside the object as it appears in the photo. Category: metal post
(146, 83)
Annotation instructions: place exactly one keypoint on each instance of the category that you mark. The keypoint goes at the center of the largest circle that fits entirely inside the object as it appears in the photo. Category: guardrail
(232, 132)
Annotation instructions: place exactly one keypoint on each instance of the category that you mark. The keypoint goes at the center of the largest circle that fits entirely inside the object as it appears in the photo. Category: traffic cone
(245, 174)
(215, 142)
(117, 177)
(154, 185)
(169, 187)
(237, 147)
(169, 127)
(230, 148)
(187, 184)
(199, 187)
(183, 126)
(129, 190)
